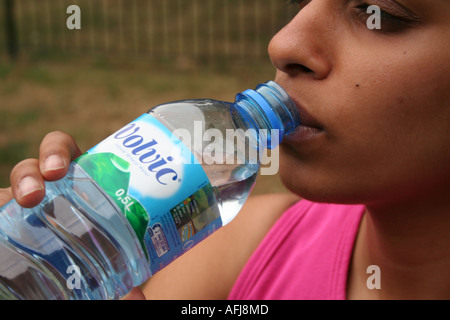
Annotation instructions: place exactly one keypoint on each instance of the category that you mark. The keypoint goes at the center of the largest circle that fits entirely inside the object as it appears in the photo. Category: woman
(375, 139)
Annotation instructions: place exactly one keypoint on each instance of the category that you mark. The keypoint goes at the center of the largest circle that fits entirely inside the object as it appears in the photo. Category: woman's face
(375, 103)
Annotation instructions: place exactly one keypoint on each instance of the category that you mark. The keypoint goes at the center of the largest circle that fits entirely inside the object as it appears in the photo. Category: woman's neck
(410, 244)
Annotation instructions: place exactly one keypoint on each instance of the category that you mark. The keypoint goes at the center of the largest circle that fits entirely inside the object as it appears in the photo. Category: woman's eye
(388, 22)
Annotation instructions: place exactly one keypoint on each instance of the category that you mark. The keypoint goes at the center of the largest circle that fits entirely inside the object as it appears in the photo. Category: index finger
(56, 151)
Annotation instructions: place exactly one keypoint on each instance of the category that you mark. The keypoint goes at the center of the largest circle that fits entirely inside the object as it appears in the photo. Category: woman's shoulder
(261, 212)
(256, 218)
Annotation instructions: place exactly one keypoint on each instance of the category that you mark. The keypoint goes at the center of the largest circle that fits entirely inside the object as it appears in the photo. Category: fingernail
(54, 162)
(27, 186)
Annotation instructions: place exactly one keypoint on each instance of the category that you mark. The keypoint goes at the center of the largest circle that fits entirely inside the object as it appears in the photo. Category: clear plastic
(77, 244)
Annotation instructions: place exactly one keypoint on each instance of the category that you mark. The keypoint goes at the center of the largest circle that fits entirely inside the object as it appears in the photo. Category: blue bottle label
(159, 186)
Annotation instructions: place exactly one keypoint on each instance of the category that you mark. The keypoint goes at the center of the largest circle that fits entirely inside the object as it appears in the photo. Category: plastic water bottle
(141, 198)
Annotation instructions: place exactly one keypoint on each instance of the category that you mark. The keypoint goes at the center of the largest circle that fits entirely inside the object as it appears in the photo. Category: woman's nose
(301, 47)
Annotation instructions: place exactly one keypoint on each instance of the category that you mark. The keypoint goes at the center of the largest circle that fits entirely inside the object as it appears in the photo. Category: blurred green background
(128, 56)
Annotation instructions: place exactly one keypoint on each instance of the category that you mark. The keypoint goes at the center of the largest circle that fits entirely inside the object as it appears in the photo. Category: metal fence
(154, 28)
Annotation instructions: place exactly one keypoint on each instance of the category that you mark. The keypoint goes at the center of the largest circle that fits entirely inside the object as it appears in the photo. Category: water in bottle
(142, 197)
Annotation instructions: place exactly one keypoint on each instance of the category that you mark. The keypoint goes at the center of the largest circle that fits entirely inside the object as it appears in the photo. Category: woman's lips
(306, 119)
(303, 133)
(309, 126)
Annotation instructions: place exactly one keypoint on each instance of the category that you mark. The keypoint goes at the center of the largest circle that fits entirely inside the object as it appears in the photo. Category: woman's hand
(27, 178)
(56, 152)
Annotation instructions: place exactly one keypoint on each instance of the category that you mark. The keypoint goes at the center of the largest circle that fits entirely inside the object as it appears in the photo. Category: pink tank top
(305, 255)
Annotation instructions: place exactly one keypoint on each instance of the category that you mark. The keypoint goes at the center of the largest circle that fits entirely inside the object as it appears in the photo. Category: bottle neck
(269, 110)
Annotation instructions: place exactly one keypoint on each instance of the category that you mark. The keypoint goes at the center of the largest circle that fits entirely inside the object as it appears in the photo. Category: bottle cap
(271, 102)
